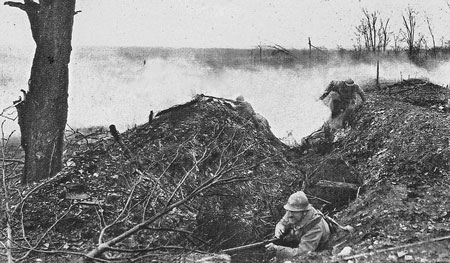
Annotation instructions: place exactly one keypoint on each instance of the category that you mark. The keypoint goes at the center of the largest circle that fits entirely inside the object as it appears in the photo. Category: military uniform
(311, 234)
(247, 111)
(343, 96)
(302, 229)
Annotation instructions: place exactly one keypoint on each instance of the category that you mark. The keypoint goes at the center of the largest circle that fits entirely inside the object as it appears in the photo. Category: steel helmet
(240, 98)
(298, 202)
(349, 82)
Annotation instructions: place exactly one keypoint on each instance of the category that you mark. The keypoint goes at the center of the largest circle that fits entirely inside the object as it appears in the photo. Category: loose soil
(396, 150)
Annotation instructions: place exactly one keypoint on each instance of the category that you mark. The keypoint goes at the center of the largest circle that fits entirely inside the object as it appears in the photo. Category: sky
(226, 23)
(102, 81)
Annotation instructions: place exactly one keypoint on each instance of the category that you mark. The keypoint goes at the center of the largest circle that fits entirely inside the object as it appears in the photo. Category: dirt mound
(402, 151)
(200, 174)
(420, 92)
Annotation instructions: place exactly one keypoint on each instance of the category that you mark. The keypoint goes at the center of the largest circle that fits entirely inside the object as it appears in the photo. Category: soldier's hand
(279, 230)
(271, 247)
(358, 106)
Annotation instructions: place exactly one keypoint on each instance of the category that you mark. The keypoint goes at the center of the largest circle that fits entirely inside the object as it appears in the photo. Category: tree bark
(43, 113)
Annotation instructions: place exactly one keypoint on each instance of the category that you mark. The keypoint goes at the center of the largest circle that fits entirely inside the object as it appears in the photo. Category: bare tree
(374, 31)
(409, 22)
(371, 26)
(397, 39)
(358, 45)
(361, 33)
(432, 36)
(420, 43)
(383, 34)
(42, 113)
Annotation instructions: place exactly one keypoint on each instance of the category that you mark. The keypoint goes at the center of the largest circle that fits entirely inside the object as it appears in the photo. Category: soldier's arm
(309, 242)
(282, 226)
(361, 93)
(327, 90)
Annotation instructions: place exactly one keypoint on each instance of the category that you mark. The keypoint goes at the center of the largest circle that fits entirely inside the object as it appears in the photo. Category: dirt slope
(397, 152)
(400, 144)
(162, 162)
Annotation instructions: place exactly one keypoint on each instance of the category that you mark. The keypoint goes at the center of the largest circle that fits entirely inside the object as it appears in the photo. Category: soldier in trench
(303, 229)
(343, 98)
(247, 111)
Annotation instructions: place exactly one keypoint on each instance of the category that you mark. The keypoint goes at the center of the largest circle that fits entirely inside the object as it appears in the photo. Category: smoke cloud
(109, 88)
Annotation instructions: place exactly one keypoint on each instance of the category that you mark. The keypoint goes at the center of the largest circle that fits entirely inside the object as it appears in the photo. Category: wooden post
(260, 53)
(310, 55)
(378, 74)
(150, 117)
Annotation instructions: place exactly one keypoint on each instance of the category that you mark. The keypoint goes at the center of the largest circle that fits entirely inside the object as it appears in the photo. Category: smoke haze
(107, 87)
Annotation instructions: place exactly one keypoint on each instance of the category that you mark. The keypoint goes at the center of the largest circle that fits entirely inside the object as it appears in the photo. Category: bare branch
(124, 209)
(409, 23)
(395, 248)
(224, 167)
(194, 166)
(16, 4)
(60, 252)
(432, 35)
(146, 249)
(13, 161)
(28, 6)
(38, 243)
(8, 245)
(34, 189)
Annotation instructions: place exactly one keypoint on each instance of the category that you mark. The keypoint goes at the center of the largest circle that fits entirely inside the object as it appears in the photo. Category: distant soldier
(303, 229)
(343, 97)
(244, 107)
(247, 111)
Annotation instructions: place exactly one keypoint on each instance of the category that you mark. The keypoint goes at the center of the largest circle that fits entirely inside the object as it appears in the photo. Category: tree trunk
(43, 113)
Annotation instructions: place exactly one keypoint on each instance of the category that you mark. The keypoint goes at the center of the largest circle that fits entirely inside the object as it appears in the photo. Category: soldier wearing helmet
(303, 228)
(343, 97)
(244, 107)
(246, 110)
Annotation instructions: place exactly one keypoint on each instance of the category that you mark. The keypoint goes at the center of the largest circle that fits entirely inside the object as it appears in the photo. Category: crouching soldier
(343, 97)
(303, 229)
(244, 107)
(247, 111)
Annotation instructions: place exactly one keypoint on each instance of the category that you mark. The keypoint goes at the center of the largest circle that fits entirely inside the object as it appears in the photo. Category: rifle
(330, 221)
(217, 98)
(306, 228)
(258, 244)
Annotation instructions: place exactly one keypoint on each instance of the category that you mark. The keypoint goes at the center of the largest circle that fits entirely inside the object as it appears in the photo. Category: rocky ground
(396, 151)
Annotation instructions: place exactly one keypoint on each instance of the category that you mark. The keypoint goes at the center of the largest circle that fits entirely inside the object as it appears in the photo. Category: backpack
(331, 224)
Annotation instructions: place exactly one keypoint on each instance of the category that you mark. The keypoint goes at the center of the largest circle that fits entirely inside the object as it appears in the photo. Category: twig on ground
(124, 209)
(395, 248)
(224, 167)
(57, 220)
(8, 244)
(13, 161)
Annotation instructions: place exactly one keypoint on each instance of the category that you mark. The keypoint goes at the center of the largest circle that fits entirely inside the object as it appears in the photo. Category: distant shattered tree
(432, 36)
(374, 31)
(383, 34)
(409, 22)
(42, 113)
(371, 28)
